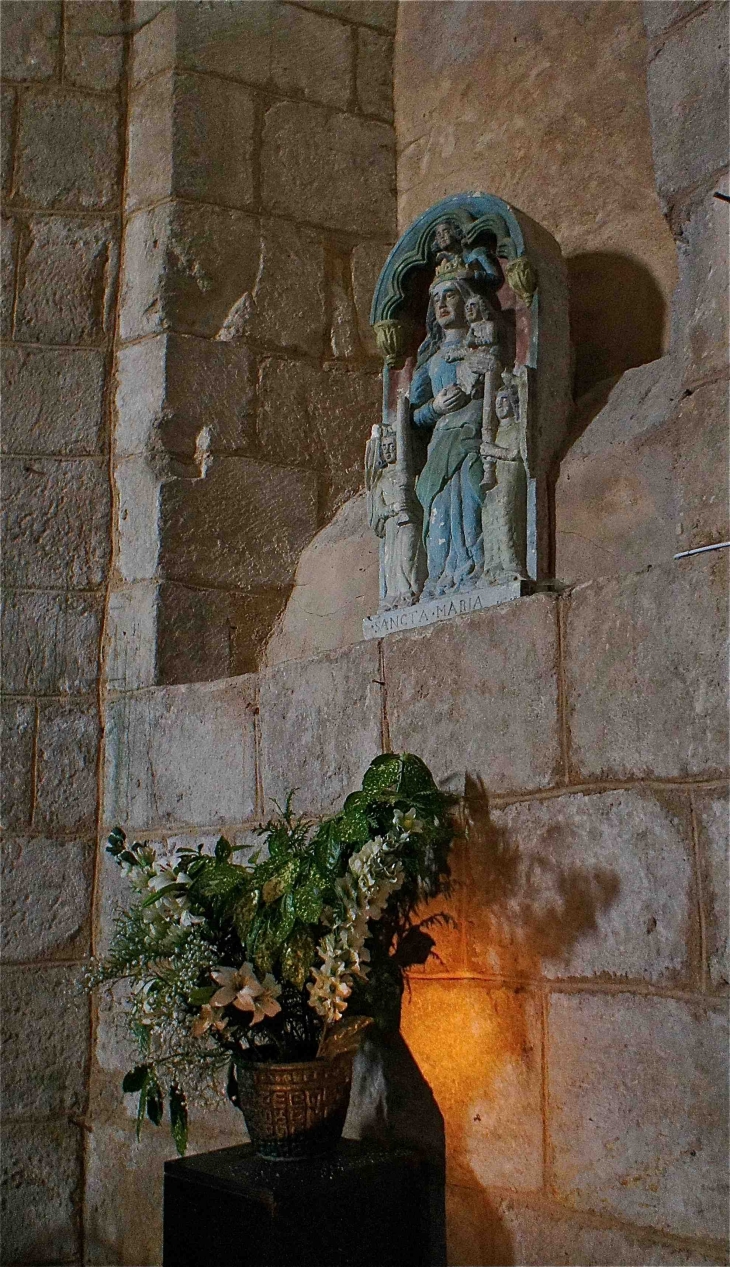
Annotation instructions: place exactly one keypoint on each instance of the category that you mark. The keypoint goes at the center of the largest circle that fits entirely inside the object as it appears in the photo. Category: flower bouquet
(263, 975)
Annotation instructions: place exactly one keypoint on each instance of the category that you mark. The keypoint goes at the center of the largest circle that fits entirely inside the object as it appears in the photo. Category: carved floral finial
(392, 340)
(522, 279)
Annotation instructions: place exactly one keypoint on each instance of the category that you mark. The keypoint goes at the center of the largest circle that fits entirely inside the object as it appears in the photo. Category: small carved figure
(394, 515)
(504, 516)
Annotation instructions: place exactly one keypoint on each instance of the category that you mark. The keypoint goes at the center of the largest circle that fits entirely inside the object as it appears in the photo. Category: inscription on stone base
(422, 614)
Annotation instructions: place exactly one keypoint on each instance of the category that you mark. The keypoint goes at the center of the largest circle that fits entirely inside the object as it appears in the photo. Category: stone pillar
(259, 201)
(61, 177)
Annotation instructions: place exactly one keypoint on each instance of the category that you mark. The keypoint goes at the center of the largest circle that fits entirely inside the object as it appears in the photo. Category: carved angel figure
(394, 515)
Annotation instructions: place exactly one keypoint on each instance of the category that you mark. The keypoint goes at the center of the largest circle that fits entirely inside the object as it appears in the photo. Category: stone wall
(259, 207)
(63, 124)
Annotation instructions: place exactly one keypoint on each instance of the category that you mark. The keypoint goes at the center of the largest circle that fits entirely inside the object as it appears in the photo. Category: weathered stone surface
(178, 146)
(227, 38)
(7, 136)
(16, 785)
(335, 587)
(645, 671)
(479, 1050)
(711, 809)
(184, 396)
(379, 13)
(330, 169)
(182, 755)
(9, 239)
(30, 39)
(68, 741)
(67, 150)
(375, 74)
(46, 898)
(583, 886)
(286, 430)
(242, 526)
(687, 84)
(45, 1040)
(320, 727)
(42, 1169)
(93, 44)
(68, 277)
(186, 267)
(56, 522)
(287, 307)
(343, 340)
(699, 304)
(659, 15)
(492, 1228)
(138, 486)
(607, 1056)
(53, 401)
(642, 498)
(479, 695)
(207, 634)
(130, 655)
(50, 642)
(311, 57)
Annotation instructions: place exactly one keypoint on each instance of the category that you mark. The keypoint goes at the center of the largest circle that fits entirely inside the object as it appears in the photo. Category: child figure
(483, 364)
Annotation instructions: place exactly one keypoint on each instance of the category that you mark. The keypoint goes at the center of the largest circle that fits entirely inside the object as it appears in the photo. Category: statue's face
(448, 306)
(473, 309)
(444, 237)
(388, 449)
(503, 406)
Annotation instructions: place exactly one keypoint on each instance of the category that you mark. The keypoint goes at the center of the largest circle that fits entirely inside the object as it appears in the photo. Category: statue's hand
(449, 399)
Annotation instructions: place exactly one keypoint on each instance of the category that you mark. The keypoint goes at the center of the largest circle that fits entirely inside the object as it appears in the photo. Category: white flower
(242, 988)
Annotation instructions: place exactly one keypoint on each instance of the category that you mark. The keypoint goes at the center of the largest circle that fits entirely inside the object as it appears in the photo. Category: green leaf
(415, 777)
(279, 844)
(223, 850)
(201, 995)
(286, 918)
(115, 842)
(383, 775)
(179, 1118)
(135, 1079)
(327, 851)
(298, 956)
(307, 900)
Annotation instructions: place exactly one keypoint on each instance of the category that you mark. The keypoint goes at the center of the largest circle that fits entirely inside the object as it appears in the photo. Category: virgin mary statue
(450, 487)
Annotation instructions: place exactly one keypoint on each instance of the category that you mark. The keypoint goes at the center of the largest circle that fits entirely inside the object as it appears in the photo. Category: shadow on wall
(617, 316)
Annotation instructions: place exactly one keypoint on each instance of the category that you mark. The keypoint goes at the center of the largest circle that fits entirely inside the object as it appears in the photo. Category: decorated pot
(295, 1110)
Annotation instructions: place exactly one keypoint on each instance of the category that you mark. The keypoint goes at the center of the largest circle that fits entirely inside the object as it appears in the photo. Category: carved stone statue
(457, 475)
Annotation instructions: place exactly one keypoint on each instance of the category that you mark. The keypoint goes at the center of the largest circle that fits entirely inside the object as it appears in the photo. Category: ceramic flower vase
(297, 1110)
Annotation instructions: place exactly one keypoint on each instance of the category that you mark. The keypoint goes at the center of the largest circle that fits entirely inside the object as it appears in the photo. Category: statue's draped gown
(449, 486)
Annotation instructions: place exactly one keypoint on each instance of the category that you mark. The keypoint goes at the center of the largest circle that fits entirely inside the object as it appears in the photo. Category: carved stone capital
(392, 340)
(522, 279)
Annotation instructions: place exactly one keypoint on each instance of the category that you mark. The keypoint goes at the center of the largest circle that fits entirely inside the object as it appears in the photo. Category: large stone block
(645, 672)
(335, 587)
(68, 279)
(10, 239)
(640, 499)
(378, 13)
(320, 728)
(228, 38)
(130, 654)
(182, 755)
(287, 307)
(42, 1179)
(138, 485)
(479, 695)
(172, 389)
(53, 401)
(699, 304)
(45, 1041)
(179, 148)
(583, 886)
(492, 1228)
(7, 137)
(16, 785)
(68, 744)
(31, 34)
(659, 15)
(479, 1050)
(93, 44)
(68, 150)
(687, 82)
(638, 1110)
(311, 57)
(51, 642)
(711, 809)
(205, 634)
(185, 268)
(46, 898)
(329, 169)
(56, 522)
(375, 74)
(241, 526)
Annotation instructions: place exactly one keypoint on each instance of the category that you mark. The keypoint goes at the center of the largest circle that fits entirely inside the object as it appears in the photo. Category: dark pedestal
(363, 1206)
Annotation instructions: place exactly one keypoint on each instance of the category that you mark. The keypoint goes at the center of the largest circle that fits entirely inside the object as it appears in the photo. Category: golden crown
(451, 268)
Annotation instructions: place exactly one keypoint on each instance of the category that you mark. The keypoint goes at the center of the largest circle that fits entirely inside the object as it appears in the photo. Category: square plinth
(365, 1205)
(446, 608)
